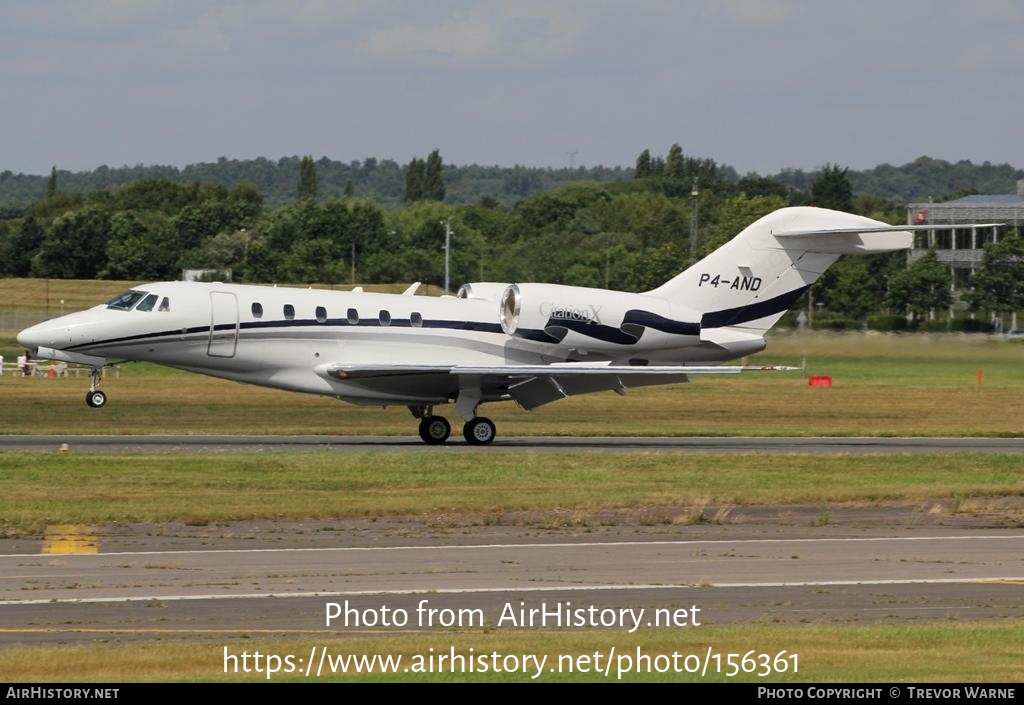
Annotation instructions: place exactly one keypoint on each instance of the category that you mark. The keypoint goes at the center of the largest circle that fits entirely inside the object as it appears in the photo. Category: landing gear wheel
(479, 431)
(435, 430)
(95, 398)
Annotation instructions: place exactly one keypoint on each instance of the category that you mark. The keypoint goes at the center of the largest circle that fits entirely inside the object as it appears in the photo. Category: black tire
(479, 431)
(96, 399)
(435, 430)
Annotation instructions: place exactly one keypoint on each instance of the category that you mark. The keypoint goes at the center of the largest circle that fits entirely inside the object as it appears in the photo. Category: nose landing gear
(94, 397)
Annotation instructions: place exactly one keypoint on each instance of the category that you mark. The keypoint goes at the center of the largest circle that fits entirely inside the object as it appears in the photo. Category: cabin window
(415, 319)
(353, 317)
(124, 302)
(147, 303)
(384, 318)
(321, 314)
(257, 310)
(289, 312)
(165, 305)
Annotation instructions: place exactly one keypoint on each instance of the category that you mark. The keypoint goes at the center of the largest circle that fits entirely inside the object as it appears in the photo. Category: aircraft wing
(535, 385)
(558, 369)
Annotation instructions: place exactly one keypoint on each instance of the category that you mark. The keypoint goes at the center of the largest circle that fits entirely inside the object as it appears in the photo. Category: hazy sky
(760, 85)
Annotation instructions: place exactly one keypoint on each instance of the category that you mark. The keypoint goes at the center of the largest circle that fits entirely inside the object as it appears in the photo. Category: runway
(893, 563)
(542, 444)
(778, 564)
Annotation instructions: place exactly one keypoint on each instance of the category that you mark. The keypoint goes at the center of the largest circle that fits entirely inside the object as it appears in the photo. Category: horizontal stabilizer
(880, 229)
(859, 241)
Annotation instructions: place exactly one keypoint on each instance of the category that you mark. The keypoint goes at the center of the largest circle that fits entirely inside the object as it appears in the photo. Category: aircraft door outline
(223, 324)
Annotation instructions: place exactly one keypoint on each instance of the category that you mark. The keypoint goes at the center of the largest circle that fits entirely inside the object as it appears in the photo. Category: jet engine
(487, 291)
(595, 319)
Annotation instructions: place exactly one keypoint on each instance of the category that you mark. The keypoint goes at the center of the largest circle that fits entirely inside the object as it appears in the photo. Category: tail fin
(747, 284)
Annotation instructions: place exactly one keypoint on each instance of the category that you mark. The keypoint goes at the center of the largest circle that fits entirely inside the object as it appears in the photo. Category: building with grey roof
(962, 248)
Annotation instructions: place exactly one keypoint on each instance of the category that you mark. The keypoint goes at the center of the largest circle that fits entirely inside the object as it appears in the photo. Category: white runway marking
(466, 591)
(595, 544)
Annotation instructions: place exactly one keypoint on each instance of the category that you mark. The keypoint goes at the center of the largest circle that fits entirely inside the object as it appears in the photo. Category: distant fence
(19, 320)
(48, 368)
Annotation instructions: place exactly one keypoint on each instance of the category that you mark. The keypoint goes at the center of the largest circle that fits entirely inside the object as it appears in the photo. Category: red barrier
(819, 381)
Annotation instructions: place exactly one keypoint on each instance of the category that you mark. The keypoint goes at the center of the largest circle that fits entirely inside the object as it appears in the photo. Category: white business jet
(527, 342)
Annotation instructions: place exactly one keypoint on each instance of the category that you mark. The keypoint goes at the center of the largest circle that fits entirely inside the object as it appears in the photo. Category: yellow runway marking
(70, 538)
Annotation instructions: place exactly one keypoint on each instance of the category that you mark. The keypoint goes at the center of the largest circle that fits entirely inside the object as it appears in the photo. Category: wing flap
(536, 391)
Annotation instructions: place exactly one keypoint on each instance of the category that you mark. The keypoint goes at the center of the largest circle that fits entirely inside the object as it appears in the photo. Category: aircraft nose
(43, 334)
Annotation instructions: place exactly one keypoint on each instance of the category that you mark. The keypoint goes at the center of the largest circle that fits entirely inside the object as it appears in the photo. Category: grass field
(883, 385)
(103, 489)
(951, 652)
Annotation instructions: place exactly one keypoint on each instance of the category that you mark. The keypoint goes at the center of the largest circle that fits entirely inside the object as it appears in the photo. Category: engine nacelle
(486, 291)
(596, 319)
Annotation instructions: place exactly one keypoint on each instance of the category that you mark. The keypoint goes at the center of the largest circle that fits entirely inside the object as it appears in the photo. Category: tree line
(629, 234)
(385, 181)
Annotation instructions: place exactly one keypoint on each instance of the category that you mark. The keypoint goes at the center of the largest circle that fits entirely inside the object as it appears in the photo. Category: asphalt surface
(787, 564)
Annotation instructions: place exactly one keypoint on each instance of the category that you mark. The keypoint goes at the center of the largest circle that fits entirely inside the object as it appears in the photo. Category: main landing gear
(478, 431)
(435, 430)
(94, 397)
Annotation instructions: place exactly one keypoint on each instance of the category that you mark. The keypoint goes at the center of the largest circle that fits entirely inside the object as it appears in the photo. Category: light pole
(694, 194)
(447, 251)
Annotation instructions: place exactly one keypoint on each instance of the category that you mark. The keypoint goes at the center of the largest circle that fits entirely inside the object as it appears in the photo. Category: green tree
(136, 249)
(226, 250)
(553, 211)
(654, 218)
(854, 293)
(314, 261)
(643, 165)
(657, 266)
(262, 262)
(433, 179)
(832, 189)
(307, 178)
(74, 246)
(24, 243)
(754, 185)
(921, 287)
(674, 165)
(51, 185)
(415, 180)
(734, 215)
(998, 285)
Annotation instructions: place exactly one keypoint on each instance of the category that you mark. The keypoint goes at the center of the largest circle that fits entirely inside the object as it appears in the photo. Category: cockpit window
(147, 303)
(165, 305)
(125, 301)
